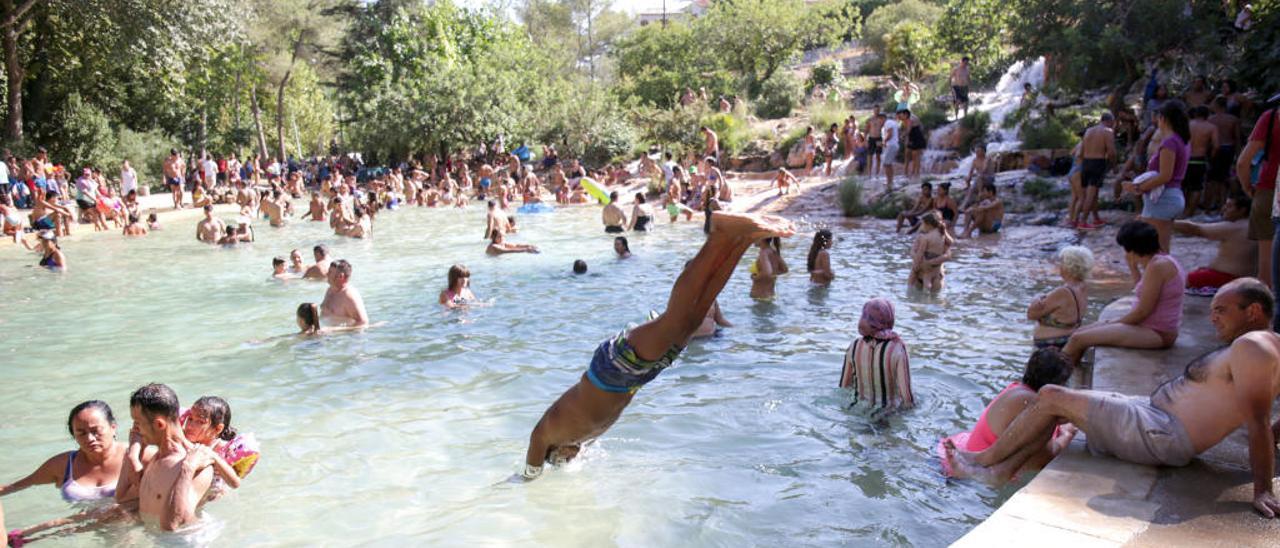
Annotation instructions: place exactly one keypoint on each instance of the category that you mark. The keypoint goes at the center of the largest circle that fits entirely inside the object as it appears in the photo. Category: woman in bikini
(819, 261)
(932, 248)
(810, 147)
(1060, 312)
(88, 473)
(766, 269)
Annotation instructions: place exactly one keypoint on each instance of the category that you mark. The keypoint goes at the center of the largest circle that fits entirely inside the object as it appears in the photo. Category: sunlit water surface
(403, 434)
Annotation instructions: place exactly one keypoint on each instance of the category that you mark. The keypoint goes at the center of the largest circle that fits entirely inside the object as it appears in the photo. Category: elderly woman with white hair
(1060, 312)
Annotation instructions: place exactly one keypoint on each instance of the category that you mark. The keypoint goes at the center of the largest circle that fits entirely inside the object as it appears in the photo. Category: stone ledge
(1083, 500)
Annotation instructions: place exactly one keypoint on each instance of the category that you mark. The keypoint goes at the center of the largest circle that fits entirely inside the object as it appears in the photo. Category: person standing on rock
(1097, 150)
(960, 86)
(875, 142)
(712, 143)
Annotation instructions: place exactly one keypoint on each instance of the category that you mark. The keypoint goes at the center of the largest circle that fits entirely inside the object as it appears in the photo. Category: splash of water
(999, 104)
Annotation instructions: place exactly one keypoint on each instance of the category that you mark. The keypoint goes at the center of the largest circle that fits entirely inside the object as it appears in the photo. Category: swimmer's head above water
(621, 247)
(579, 266)
(309, 318)
(208, 420)
(154, 409)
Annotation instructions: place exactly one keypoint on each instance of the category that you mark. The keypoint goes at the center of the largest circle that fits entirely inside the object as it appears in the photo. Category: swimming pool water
(403, 434)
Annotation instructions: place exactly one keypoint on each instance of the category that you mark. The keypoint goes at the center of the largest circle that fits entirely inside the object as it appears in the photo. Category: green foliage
(672, 129)
(145, 152)
(824, 73)
(1043, 190)
(656, 64)
(912, 50)
(733, 132)
(82, 135)
(976, 125)
(1047, 133)
(853, 202)
(1094, 43)
(824, 113)
(793, 137)
(881, 22)
(978, 29)
(933, 116)
(1259, 51)
(779, 96)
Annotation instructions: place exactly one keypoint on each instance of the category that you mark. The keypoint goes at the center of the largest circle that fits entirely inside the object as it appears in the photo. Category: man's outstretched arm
(1253, 370)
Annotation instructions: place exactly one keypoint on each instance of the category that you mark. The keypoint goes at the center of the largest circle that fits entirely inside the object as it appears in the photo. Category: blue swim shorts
(616, 368)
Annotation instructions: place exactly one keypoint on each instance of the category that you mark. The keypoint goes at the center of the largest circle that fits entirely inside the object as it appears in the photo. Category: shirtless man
(320, 270)
(1229, 138)
(923, 205)
(987, 216)
(614, 218)
(712, 143)
(171, 475)
(209, 229)
(626, 362)
(174, 167)
(1204, 142)
(875, 143)
(317, 210)
(1217, 394)
(342, 305)
(1237, 256)
(1096, 151)
(273, 208)
(496, 221)
(960, 85)
(499, 246)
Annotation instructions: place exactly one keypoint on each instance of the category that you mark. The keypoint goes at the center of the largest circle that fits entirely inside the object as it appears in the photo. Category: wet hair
(342, 266)
(1252, 291)
(945, 187)
(1046, 366)
(309, 313)
(926, 185)
(989, 187)
(231, 230)
(821, 240)
(1139, 238)
(96, 405)
(613, 196)
(640, 198)
(579, 266)
(321, 250)
(151, 218)
(1175, 113)
(775, 243)
(457, 272)
(1077, 261)
(626, 248)
(219, 413)
(133, 218)
(933, 219)
(155, 400)
(277, 261)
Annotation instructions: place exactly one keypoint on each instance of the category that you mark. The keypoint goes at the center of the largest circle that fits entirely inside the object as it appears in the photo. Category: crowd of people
(1181, 164)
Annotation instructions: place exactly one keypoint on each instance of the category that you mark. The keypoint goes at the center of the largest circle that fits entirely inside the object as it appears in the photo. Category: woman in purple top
(1157, 313)
(1171, 165)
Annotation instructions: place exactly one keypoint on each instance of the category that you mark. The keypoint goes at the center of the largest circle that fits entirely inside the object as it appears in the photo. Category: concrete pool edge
(1083, 500)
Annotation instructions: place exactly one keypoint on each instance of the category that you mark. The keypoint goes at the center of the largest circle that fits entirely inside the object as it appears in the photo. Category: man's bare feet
(753, 227)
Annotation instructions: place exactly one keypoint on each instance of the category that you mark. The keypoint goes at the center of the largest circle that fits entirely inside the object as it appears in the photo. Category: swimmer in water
(499, 246)
(931, 249)
(342, 305)
(579, 267)
(308, 316)
(819, 259)
(766, 269)
(675, 208)
(278, 270)
(621, 247)
(641, 215)
(208, 423)
(319, 270)
(295, 263)
(458, 294)
(230, 238)
(626, 362)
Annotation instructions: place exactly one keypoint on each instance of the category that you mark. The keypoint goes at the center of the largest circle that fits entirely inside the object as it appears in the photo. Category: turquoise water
(398, 435)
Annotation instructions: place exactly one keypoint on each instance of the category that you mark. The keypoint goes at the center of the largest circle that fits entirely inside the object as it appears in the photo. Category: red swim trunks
(1208, 277)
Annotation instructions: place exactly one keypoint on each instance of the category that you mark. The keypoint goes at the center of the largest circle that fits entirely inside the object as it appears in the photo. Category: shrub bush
(734, 133)
(1046, 133)
(1043, 190)
(882, 21)
(912, 50)
(824, 73)
(853, 201)
(851, 197)
(610, 139)
(976, 124)
(779, 96)
(82, 135)
(933, 117)
(824, 113)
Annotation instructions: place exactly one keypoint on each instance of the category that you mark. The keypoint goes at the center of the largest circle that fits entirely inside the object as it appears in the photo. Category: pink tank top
(1167, 315)
(982, 437)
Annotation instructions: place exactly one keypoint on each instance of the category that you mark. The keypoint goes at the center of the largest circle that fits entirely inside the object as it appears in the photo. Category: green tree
(912, 50)
(977, 29)
(656, 63)
(757, 37)
(884, 18)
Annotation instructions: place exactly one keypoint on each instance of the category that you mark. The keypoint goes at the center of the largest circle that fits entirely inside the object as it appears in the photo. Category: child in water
(932, 248)
(208, 423)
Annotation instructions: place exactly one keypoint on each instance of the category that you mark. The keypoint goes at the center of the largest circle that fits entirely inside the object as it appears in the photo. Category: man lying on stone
(1184, 417)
